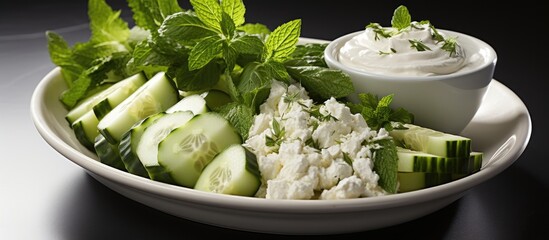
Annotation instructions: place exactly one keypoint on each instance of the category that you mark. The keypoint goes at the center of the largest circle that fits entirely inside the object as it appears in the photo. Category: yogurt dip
(417, 50)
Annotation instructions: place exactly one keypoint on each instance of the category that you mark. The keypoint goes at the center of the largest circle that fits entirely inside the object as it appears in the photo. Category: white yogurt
(396, 54)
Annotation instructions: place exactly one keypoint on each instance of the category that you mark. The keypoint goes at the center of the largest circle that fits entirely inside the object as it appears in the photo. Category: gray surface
(45, 196)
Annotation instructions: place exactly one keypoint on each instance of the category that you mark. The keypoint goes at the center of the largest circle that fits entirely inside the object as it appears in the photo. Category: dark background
(512, 205)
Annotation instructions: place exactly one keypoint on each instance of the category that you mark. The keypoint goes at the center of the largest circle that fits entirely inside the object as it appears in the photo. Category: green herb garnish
(401, 18)
(378, 113)
(418, 45)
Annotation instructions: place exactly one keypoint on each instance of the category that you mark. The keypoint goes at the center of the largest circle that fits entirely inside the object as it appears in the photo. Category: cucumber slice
(147, 148)
(431, 141)
(411, 181)
(194, 103)
(185, 152)
(87, 104)
(108, 153)
(85, 129)
(128, 146)
(233, 171)
(216, 98)
(122, 90)
(156, 95)
(415, 161)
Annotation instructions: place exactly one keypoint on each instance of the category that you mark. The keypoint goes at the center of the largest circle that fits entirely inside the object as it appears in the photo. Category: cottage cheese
(308, 151)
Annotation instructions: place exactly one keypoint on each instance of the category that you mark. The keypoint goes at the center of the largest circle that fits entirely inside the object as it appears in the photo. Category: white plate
(501, 129)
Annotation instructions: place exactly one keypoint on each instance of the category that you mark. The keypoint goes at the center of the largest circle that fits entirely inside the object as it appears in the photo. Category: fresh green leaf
(248, 44)
(227, 26)
(281, 43)
(386, 165)
(209, 12)
(61, 55)
(254, 28)
(240, 116)
(401, 18)
(200, 79)
(149, 14)
(78, 90)
(277, 71)
(254, 85)
(377, 112)
(311, 54)
(106, 24)
(147, 58)
(229, 55)
(322, 83)
(206, 50)
(182, 28)
(235, 9)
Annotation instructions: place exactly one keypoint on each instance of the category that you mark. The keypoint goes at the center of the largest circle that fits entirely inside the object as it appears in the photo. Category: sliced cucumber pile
(156, 95)
(84, 118)
(428, 158)
(186, 151)
(431, 141)
(128, 146)
(233, 171)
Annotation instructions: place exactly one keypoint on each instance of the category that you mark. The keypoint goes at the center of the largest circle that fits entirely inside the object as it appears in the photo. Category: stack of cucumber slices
(146, 127)
(428, 158)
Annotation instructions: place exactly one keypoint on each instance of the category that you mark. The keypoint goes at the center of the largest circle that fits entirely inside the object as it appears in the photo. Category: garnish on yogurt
(401, 22)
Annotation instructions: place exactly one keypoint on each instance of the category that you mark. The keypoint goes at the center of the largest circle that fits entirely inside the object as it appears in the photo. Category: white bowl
(442, 102)
(501, 130)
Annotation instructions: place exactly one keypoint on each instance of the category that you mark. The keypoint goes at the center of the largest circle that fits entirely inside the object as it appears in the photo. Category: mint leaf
(239, 115)
(277, 71)
(386, 165)
(209, 12)
(235, 9)
(184, 26)
(149, 14)
(78, 90)
(227, 26)
(401, 18)
(61, 55)
(106, 24)
(147, 58)
(322, 83)
(282, 41)
(377, 112)
(254, 85)
(229, 55)
(200, 79)
(202, 53)
(248, 44)
(254, 28)
(311, 54)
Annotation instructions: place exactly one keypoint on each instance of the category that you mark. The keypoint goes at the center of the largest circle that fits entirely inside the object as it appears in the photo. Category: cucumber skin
(437, 164)
(127, 151)
(108, 153)
(419, 180)
(114, 138)
(102, 108)
(190, 177)
(86, 138)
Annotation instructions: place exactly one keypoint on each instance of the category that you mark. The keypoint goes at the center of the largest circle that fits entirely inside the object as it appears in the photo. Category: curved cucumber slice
(431, 141)
(108, 153)
(188, 149)
(415, 161)
(128, 146)
(87, 104)
(233, 171)
(194, 103)
(122, 90)
(147, 148)
(156, 95)
(85, 129)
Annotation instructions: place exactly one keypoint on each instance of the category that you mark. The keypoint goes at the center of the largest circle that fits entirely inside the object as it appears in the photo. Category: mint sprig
(378, 113)
(401, 18)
